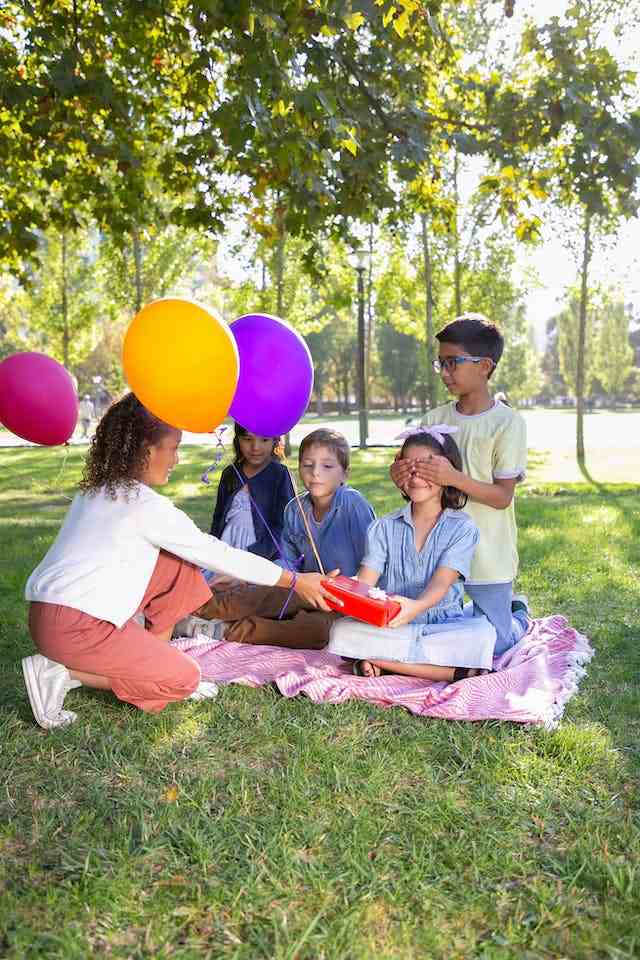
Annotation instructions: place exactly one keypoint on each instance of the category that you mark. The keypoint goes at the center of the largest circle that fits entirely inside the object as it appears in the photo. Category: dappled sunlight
(206, 806)
(191, 725)
(537, 533)
(185, 489)
(604, 516)
(40, 521)
(559, 754)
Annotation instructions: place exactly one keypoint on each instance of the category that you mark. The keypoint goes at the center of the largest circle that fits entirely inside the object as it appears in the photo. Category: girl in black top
(238, 519)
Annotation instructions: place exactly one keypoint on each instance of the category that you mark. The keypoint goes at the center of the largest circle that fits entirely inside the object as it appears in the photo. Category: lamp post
(360, 263)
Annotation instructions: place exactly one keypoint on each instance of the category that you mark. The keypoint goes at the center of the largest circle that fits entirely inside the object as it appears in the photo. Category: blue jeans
(493, 601)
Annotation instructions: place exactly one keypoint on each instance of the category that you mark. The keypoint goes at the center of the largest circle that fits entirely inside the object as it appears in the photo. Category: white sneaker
(206, 690)
(191, 626)
(47, 685)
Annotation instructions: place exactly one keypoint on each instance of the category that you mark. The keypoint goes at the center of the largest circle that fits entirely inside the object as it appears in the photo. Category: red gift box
(357, 603)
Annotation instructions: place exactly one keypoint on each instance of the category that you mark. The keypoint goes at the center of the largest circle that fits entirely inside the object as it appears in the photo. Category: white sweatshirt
(104, 555)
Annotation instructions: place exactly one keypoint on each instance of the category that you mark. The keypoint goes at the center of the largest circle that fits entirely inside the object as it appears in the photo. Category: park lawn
(255, 826)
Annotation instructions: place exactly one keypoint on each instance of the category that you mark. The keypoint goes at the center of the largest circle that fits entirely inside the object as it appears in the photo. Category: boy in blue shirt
(338, 517)
(492, 440)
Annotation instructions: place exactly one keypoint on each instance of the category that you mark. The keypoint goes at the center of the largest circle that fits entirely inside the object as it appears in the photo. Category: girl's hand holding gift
(409, 610)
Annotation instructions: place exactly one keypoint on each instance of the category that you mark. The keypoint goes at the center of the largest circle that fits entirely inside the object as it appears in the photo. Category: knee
(338, 630)
(487, 634)
(342, 632)
(190, 676)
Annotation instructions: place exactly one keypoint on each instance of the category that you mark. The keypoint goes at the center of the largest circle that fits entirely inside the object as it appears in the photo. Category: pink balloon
(38, 400)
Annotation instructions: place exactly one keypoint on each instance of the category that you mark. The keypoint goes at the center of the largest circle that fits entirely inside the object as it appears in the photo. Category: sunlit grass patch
(254, 826)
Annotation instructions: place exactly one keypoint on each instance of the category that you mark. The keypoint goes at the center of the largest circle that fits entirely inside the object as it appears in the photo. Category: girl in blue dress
(421, 555)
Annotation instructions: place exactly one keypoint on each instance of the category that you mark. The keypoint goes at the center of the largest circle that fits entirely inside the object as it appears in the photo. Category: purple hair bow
(438, 431)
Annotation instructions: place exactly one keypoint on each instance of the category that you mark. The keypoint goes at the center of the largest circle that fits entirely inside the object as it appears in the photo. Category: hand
(400, 471)
(438, 470)
(309, 588)
(409, 610)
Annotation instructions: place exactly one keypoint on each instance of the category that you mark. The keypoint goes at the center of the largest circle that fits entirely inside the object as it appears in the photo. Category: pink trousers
(143, 669)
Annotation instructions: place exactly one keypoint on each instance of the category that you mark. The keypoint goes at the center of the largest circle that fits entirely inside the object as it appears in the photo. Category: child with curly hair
(124, 549)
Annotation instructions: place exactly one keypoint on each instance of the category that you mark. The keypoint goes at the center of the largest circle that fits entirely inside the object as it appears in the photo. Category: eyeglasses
(450, 363)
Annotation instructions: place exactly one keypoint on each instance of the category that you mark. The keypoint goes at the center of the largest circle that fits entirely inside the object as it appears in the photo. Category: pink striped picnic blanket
(532, 684)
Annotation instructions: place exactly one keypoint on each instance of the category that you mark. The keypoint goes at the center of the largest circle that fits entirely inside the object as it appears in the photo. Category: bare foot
(364, 668)
(466, 672)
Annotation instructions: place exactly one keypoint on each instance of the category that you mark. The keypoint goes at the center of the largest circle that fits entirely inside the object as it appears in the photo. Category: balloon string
(298, 500)
(219, 454)
(56, 482)
(244, 482)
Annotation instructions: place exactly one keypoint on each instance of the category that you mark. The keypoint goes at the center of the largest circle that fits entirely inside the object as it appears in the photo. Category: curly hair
(451, 497)
(120, 447)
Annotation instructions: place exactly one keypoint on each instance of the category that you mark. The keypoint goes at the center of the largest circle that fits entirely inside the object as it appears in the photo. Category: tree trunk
(582, 338)
(345, 393)
(457, 265)
(64, 300)
(318, 389)
(361, 379)
(370, 314)
(137, 267)
(428, 289)
(263, 285)
(280, 295)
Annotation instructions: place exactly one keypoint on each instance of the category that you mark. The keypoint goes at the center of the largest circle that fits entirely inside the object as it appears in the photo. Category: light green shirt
(493, 446)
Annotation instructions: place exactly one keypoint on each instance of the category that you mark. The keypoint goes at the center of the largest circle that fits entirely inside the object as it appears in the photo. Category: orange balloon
(182, 363)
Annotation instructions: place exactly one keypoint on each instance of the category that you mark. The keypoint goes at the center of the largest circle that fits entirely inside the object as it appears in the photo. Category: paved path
(612, 441)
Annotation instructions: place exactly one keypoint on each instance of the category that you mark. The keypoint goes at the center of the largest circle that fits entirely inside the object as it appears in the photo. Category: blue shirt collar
(336, 503)
(404, 514)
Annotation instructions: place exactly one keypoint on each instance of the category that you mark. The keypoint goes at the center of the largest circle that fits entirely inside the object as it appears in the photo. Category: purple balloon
(38, 400)
(276, 375)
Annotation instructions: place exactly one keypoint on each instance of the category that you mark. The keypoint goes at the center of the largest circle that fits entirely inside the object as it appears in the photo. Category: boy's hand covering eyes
(400, 471)
(436, 469)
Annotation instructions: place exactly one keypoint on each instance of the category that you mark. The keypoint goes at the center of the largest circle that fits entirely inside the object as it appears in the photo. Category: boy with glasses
(492, 441)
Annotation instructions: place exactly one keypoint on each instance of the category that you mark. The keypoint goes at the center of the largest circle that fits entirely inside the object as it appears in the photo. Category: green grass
(256, 827)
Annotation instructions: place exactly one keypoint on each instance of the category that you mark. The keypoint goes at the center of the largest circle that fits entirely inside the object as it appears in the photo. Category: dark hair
(239, 431)
(231, 478)
(119, 449)
(475, 333)
(331, 439)
(451, 498)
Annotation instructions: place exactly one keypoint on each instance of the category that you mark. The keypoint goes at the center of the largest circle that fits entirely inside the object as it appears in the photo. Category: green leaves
(329, 102)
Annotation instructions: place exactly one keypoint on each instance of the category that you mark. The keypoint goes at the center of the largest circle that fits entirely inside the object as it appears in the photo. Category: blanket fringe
(576, 660)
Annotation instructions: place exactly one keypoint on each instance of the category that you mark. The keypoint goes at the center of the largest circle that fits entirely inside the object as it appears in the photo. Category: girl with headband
(420, 555)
